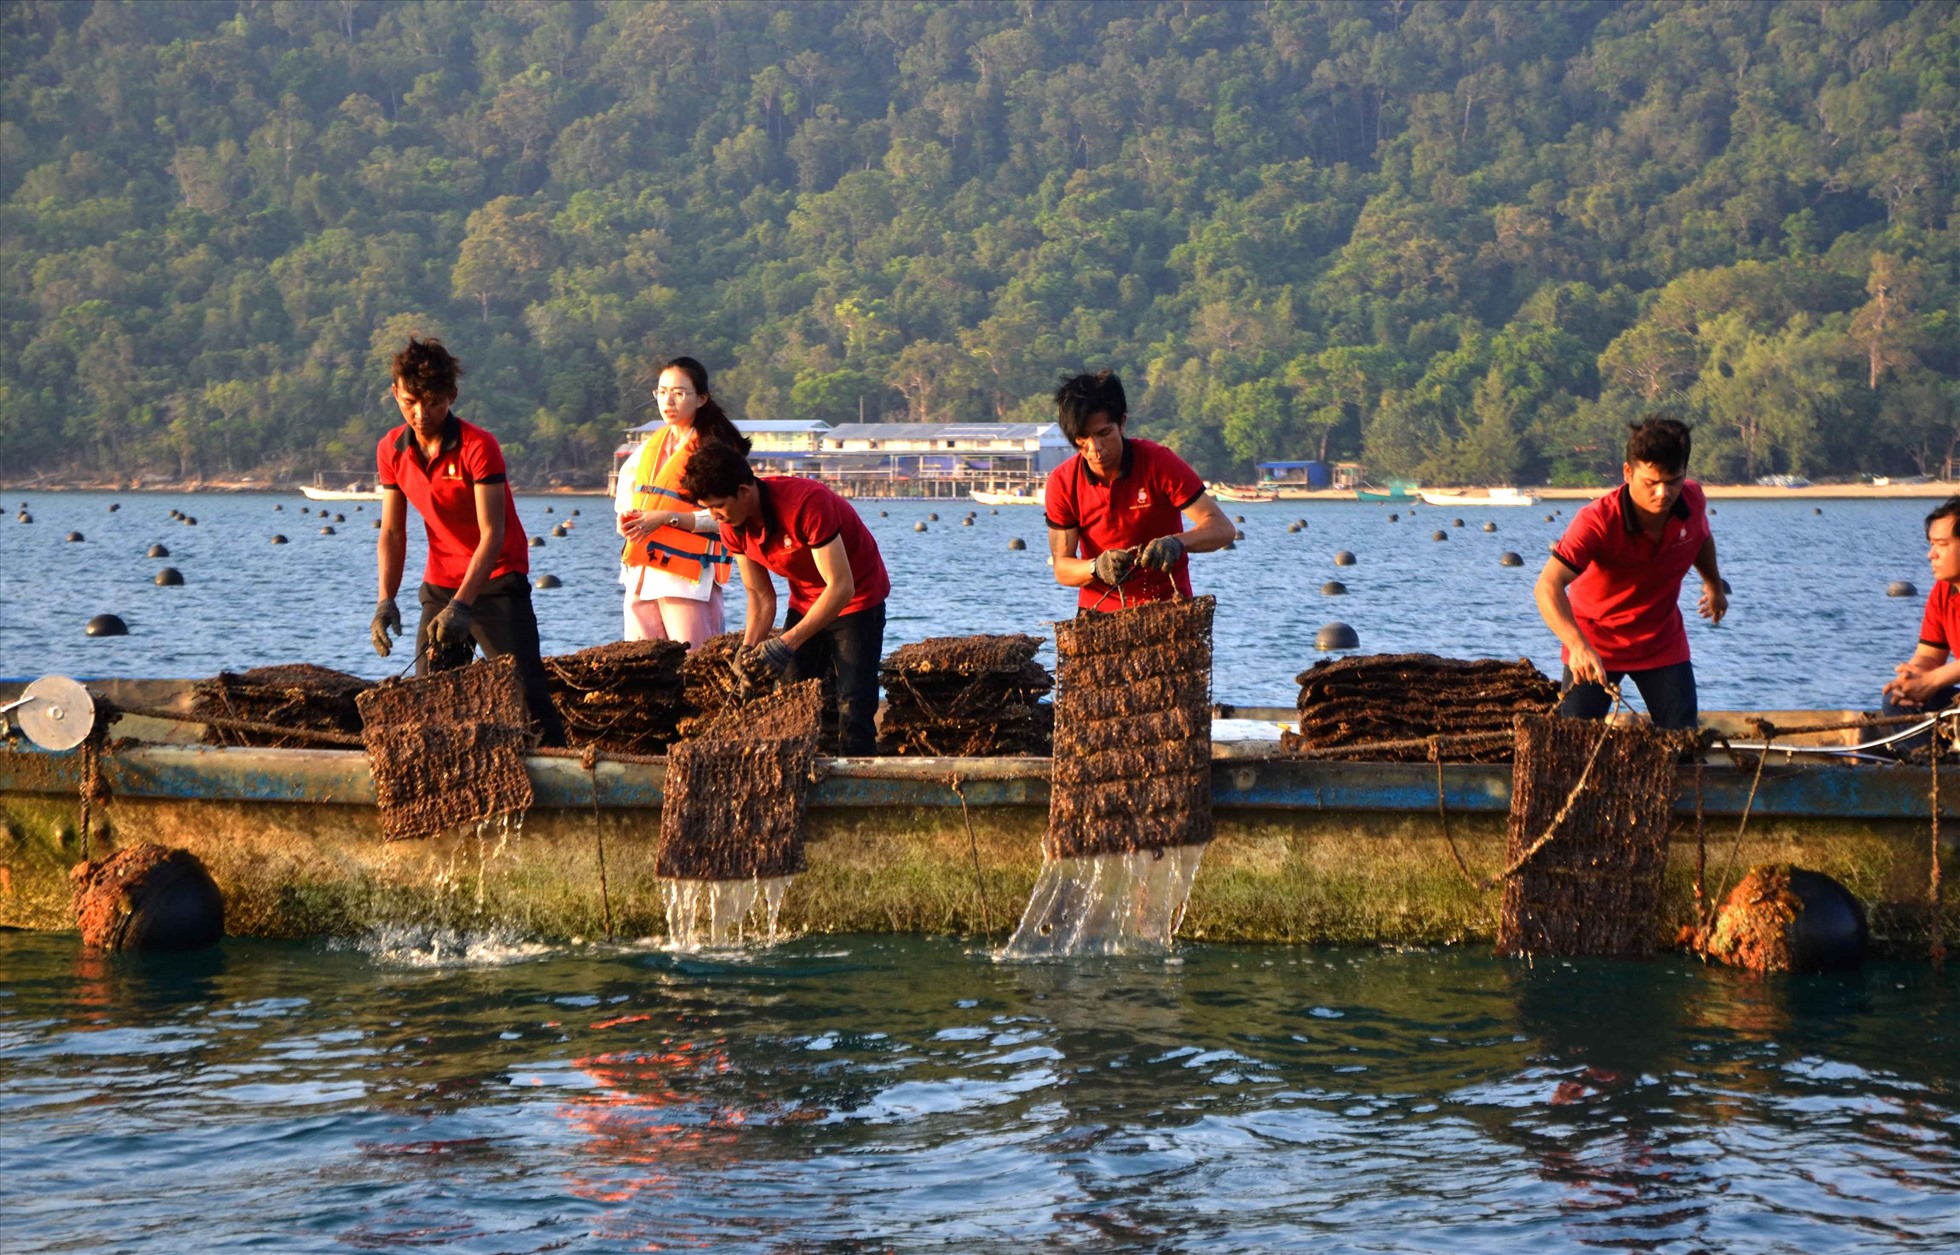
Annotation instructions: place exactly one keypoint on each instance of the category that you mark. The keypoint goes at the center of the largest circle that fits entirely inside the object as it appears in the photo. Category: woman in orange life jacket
(673, 565)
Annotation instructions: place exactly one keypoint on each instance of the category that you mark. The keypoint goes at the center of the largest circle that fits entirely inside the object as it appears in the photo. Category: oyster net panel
(626, 697)
(1594, 887)
(734, 798)
(296, 695)
(448, 748)
(1132, 764)
(966, 696)
(713, 680)
(1359, 702)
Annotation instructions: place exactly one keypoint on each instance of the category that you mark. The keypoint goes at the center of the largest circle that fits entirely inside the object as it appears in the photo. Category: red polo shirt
(1940, 629)
(443, 492)
(798, 517)
(1627, 598)
(1147, 499)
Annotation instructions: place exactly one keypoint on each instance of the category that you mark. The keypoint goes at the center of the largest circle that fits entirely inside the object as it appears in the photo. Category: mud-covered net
(625, 697)
(448, 748)
(1597, 813)
(297, 695)
(1378, 698)
(1132, 766)
(732, 806)
(967, 696)
(714, 681)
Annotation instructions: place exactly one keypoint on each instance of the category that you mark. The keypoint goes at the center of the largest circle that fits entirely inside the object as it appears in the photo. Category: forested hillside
(1464, 240)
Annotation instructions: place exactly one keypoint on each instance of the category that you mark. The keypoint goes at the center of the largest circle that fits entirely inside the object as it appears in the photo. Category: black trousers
(849, 650)
(502, 621)
(1668, 691)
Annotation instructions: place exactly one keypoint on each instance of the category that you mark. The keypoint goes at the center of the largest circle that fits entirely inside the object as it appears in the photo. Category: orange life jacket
(675, 550)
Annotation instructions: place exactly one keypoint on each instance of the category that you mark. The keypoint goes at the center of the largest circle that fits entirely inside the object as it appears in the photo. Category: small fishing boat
(1241, 493)
(353, 492)
(1477, 497)
(1396, 490)
(1010, 497)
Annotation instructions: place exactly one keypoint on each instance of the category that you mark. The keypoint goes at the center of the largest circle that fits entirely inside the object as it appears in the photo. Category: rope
(590, 757)
(247, 725)
(1701, 853)
(94, 787)
(1443, 814)
(1934, 888)
(1748, 804)
(973, 844)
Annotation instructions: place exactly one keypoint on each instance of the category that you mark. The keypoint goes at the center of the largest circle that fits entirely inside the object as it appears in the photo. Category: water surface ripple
(861, 1093)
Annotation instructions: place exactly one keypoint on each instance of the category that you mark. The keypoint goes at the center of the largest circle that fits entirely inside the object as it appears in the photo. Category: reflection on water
(850, 1093)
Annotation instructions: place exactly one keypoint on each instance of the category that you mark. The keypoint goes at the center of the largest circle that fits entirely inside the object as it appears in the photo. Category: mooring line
(591, 759)
(1748, 804)
(1572, 798)
(973, 844)
(1443, 814)
(1701, 852)
(1933, 889)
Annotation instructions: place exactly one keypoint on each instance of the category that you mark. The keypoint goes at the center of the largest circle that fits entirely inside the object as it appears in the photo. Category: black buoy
(1336, 636)
(277, 539)
(1816, 509)
(360, 509)
(114, 506)
(1439, 535)
(157, 551)
(107, 625)
(1017, 544)
(547, 510)
(1343, 558)
(966, 522)
(1394, 518)
(537, 542)
(1901, 588)
(23, 517)
(190, 520)
(175, 513)
(560, 532)
(277, 506)
(546, 581)
(328, 530)
(920, 527)
(1238, 518)
(1456, 522)
(376, 524)
(148, 897)
(1507, 558)
(1490, 527)
(1726, 590)
(884, 514)
(932, 518)
(1292, 528)
(75, 538)
(574, 513)
(1333, 588)
(994, 512)
(169, 577)
(1548, 518)
(1238, 535)
(1830, 933)
(340, 518)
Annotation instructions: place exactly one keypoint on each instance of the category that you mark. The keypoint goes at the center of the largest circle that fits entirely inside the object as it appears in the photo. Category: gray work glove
(1161, 554)
(452, 626)
(1113, 566)
(771, 657)
(387, 619)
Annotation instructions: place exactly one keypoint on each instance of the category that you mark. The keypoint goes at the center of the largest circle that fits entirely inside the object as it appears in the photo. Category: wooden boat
(1397, 490)
(1305, 850)
(1477, 497)
(1241, 493)
(986, 497)
(352, 493)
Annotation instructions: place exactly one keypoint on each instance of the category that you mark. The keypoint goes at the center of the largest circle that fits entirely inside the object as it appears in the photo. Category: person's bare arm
(1556, 609)
(391, 547)
(1070, 571)
(839, 586)
(1210, 530)
(1714, 602)
(1922, 675)
(761, 592)
(489, 541)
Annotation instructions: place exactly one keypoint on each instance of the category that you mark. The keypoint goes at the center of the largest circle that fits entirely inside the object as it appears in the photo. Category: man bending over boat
(1121, 504)
(476, 587)
(1611, 590)
(1926, 681)
(810, 536)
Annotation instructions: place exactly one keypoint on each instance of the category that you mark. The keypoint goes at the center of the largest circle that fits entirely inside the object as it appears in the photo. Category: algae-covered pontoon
(1305, 851)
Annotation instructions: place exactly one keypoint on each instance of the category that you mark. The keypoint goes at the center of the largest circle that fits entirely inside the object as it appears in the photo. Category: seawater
(1809, 622)
(858, 1093)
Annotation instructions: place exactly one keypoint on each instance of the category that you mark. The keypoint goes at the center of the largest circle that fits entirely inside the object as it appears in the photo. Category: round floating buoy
(169, 577)
(1817, 509)
(276, 506)
(1901, 588)
(1395, 518)
(1292, 528)
(920, 527)
(1238, 535)
(114, 506)
(175, 513)
(328, 530)
(1490, 527)
(1507, 558)
(537, 542)
(546, 581)
(1456, 522)
(75, 538)
(560, 532)
(994, 512)
(1548, 518)
(148, 897)
(360, 509)
(157, 551)
(884, 514)
(376, 525)
(549, 510)
(1439, 535)
(23, 517)
(1017, 544)
(1333, 588)
(277, 539)
(1336, 636)
(1238, 518)
(1302, 523)
(106, 625)
(966, 522)
(340, 518)
(1343, 558)
(1786, 919)
(574, 513)
(932, 518)
(1726, 590)
(190, 520)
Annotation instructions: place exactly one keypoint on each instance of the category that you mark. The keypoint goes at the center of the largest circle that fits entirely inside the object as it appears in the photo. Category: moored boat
(1395, 490)
(1241, 493)
(352, 492)
(1477, 497)
(1015, 497)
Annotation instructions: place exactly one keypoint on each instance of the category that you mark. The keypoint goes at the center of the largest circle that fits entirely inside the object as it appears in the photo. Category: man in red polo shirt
(810, 536)
(1927, 680)
(476, 588)
(1611, 590)
(1122, 505)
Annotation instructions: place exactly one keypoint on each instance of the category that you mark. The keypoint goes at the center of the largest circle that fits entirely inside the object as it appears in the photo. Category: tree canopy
(1464, 239)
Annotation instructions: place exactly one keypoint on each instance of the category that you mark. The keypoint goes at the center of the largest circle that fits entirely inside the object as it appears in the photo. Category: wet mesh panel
(626, 697)
(966, 696)
(713, 682)
(1397, 697)
(295, 695)
(448, 748)
(733, 802)
(1132, 776)
(1595, 887)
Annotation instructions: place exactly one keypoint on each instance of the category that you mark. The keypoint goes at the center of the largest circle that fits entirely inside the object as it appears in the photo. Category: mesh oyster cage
(626, 697)
(298, 695)
(1360, 702)
(734, 798)
(448, 748)
(966, 696)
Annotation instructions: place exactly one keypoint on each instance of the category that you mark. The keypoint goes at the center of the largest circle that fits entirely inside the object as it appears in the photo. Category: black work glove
(387, 619)
(1113, 566)
(1161, 554)
(452, 626)
(772, 657)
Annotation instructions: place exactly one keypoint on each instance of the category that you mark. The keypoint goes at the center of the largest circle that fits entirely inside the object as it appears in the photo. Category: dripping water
(1103, 904)
(716, 914)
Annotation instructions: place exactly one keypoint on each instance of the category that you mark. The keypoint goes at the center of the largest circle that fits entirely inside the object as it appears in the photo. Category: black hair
(427, 370)
(1948, 509)
(711, 422)
(1661, 440)
(715, 470)
(1082, 398)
